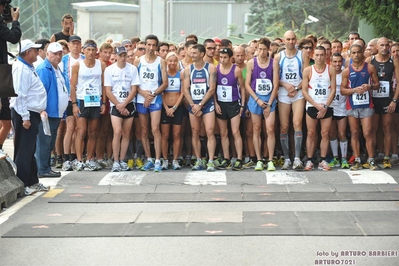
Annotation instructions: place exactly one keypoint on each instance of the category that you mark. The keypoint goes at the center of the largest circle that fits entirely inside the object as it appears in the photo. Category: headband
(90, 45)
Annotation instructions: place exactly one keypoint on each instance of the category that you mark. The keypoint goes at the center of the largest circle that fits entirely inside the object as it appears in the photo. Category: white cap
(27, 44)
(54, 47)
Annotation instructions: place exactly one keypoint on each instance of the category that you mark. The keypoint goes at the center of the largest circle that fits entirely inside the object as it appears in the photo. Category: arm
(212, 84)
(186, 85)
(345, 90)
(12, 35)
(164, 84)
(103, 94)
(20, 79)
(240, 81)
(333, 85)
(392, 105)
(74, 82)
(52, 38)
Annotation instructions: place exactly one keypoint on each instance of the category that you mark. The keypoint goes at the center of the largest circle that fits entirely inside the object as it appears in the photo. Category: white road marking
(52, 182)
(284, 178)
(123, 178)
(206, 178)
(367, 176)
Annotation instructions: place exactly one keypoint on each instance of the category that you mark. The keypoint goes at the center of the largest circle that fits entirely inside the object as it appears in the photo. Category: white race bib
(320, 94)
(263, 86)
(225, 93)
(383, 91)
(361, 99)
(123, 92)
(198, 91)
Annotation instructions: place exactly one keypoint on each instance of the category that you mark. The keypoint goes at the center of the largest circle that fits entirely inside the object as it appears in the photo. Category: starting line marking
(367, 176)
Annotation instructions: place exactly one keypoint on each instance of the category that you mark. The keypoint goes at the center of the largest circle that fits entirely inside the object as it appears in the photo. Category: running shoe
(116, 167)
(366, 165)
(259, 166)
(58, 163)
(394, 160)
(323, 165)
(79, 166)
(352, 160)
(158, 167)
(176, 165)
(225, 164)
(373, 165)
(286, 165)
(334, 163)
(297, 165)
(308, 166)
(386, 163)
(29, 191)
(67, 166)
(275, 160)
(52, 161)
(281, 161)
(104, 163)
(148, 166)
(344, 163)
(40, 187)
(270, 166)
(165, 165)
(139, 164)
(217, 162)
(237, 166)
(90, 166)
(130, 163)
(356, 166)
(198, 166)
(249, 164)
(97, 164)
(210, 167)
(124, 166)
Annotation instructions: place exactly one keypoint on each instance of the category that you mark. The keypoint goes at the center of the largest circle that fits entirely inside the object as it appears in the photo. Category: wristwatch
(296, 88)
(325, 106)
(153, 93)
(174, 107)
(200, 105)
(394, 100)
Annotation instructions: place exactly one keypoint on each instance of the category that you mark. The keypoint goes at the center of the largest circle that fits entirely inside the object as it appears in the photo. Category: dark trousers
(25, 147)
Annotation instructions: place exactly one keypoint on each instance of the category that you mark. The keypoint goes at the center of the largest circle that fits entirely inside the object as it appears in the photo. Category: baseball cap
(216, 39)
(27, 44)
(126, 41)
(74, 38)
(54, 47)
(119, 50)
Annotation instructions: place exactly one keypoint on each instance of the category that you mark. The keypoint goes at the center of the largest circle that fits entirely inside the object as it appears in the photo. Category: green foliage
(274, 17)
(382, 14)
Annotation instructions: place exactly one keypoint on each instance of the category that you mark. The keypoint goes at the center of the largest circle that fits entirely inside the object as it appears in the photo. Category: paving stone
(52, 218)
(221, 189)
(216, 217)
(76, 198)
(170, 197)
(310, 188)
(363, 196)
(214, 229)
(121, 198)
(38, 231)
(108, 217)
(378, 223)
(265, 196)
(155, 229)
(356, 188)
(177, 189)
(84, 189)
(97, 230)
(132, 189)
(392, 195)
(269, 216)
(388, 187)
(222, 196)
(313, 196)
(271, 223)
(163, 217)
(264, 188)
(328, 224)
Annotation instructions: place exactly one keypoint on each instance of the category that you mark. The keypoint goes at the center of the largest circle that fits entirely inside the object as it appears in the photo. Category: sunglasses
(308, 47)
(224, 50)
(211, 48)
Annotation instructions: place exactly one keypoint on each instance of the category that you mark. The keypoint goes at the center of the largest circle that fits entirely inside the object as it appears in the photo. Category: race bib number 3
(198, 91)
(92, 101)
(225, 93)
(263, 86)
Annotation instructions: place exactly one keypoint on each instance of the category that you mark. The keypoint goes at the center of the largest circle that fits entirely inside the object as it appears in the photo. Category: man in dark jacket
(7, 35)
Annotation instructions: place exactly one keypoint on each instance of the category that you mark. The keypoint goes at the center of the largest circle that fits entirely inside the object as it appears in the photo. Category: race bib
(92, 101)
(320, 93)
(225, 93)
(198, 91)
(123, 92)
(263, 86)
(174, 84)
(360, 99)
(383, 91)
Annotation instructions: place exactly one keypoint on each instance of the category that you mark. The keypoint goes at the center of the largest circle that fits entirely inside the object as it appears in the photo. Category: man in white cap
(26, 110)
(57, 102)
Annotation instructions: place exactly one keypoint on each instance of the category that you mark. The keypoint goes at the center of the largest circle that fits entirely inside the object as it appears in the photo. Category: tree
(274, 17)
(382, 14)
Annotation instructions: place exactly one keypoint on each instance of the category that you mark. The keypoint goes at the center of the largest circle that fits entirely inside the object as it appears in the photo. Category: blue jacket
(65, 70)
(49, 79)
